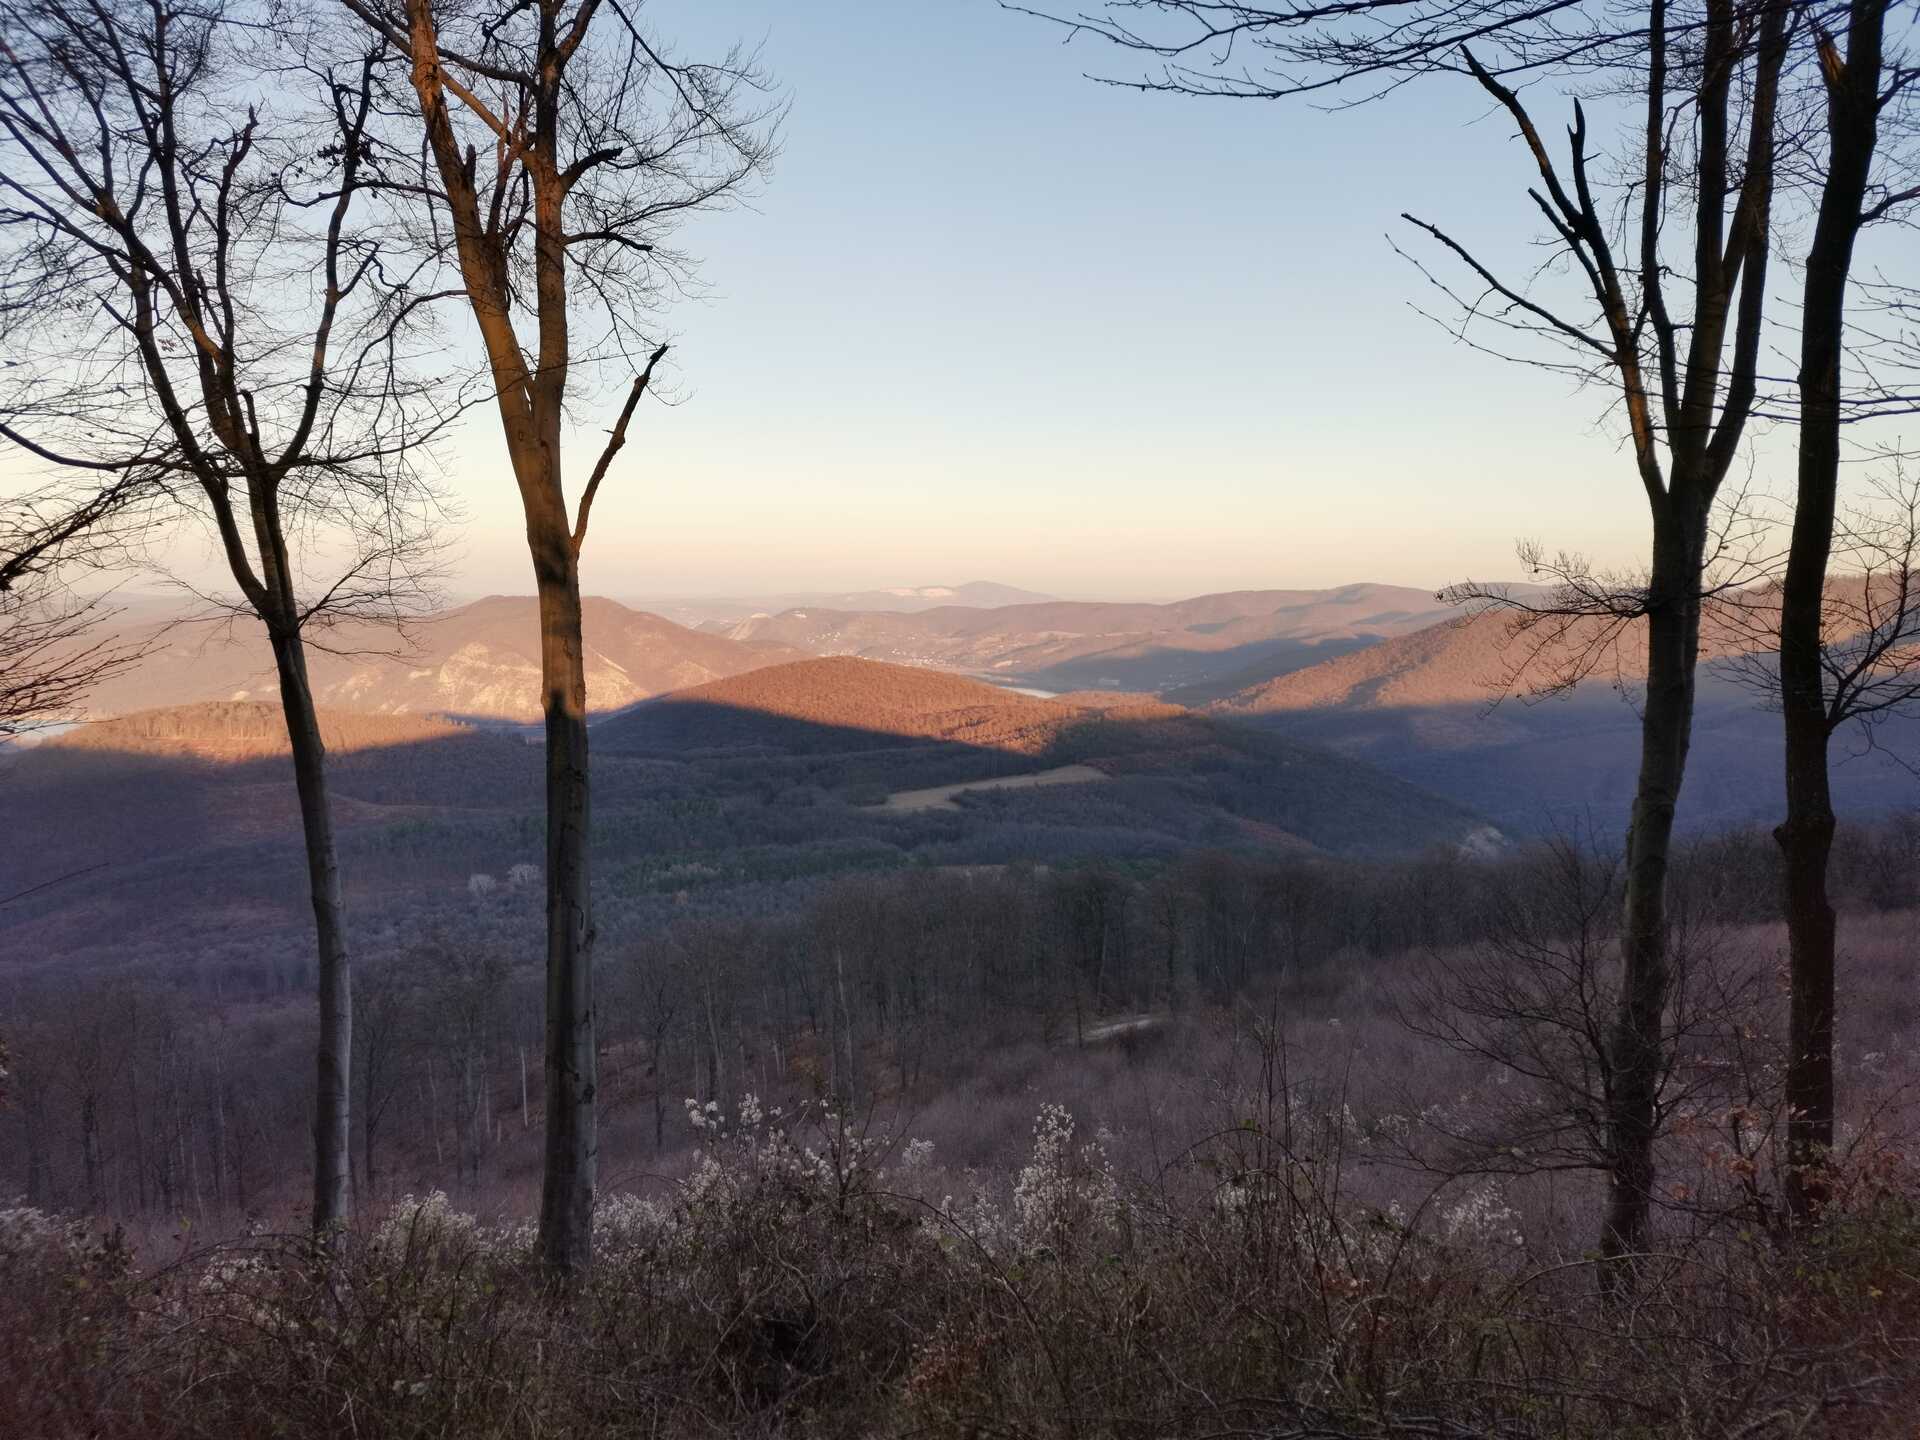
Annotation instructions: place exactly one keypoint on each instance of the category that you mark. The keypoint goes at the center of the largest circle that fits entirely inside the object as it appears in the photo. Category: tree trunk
(1806, 834)
(90, 1150)
(367, 1129)
(1806, 842)
(471, 1121)
(1637, 1050)
(222, 1161)
(566, 1192)
(139, 1131)
(433, 1115)
(331, 1136)
(846, 1025)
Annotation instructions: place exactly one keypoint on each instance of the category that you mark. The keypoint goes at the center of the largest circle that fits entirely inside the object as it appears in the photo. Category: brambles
(809, 1274)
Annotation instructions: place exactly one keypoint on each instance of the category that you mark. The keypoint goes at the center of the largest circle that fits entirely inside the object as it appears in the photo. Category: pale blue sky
(991, 320)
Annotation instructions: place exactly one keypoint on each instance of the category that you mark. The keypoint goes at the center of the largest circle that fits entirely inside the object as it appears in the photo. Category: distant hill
(907, 599)
(160, 784)
(1429, 708)
(244, 729)
(481, 661)
(1191, 650)
(900, 727)
(867, 702)
(169, 839)
(845, 702)
(723, 611)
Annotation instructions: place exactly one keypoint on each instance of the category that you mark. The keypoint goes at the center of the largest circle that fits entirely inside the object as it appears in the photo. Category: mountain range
(479, 661)
(901, 599)
(1379, 674)
(1200, 648)
(1449, 709)
(175, 832)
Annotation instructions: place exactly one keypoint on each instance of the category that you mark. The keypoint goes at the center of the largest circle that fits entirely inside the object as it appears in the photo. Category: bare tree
(1863, 85)
(1535, 996)
(1687, 401)
(200, 297)
(564, 145)
(464, 986)
(49, 656)
(1674, 339)
(1866, 654)
(653, 983)
(380, 1019)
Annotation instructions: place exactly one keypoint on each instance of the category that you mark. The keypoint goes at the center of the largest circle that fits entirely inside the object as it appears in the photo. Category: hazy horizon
(992, 319)
(135, 592)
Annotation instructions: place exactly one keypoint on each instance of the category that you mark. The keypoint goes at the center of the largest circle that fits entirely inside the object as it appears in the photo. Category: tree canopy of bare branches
(1661, 225)
(199, 296)
(49, 656)
(561, 145)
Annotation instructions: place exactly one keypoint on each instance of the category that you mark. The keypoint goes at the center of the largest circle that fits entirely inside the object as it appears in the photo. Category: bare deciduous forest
(942, 1010)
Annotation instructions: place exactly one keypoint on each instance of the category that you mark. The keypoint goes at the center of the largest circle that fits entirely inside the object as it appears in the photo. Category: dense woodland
(158, 1090)
(1089, 1115)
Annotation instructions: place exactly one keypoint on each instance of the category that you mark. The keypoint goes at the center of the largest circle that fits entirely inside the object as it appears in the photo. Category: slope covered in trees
(1449, 709)
(737, 798)
(479, 661)
(800, 702)
(243, 729)
(1207, 644)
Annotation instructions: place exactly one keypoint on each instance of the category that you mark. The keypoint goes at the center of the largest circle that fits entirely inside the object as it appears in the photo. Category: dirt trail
(940, 797)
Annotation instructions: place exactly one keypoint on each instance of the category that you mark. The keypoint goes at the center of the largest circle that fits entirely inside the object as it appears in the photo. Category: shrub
(813, 1275)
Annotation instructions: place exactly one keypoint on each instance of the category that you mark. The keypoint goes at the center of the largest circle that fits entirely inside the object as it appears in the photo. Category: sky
(989, 319)
(992, 320)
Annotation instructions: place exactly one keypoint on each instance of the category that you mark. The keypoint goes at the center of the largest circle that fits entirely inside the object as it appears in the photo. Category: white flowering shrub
(915, 1155)
(1066, 1195)
(1483, 1221)
(627, 1226)
(242, 1287)
(973, 1227)
(32, 1237)
(797, 1281)
(809, 1157)
(424, 1225)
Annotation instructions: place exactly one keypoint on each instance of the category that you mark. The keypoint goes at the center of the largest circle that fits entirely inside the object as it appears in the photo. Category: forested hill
(171, 837)
(1203, 647)
(862, 728)
(480, 661)
(238, 729)
(1448, 709)
(810, 703)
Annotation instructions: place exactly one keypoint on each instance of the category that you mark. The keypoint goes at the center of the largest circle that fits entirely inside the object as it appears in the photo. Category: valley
(1378, 674)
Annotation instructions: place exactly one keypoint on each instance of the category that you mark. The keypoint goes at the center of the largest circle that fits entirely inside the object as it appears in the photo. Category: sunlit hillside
(479, 661)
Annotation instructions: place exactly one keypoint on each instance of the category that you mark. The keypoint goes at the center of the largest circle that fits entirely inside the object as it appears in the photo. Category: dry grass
(1241, 1247)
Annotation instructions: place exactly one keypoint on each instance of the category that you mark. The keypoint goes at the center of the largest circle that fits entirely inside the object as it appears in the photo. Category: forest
(803, 1024)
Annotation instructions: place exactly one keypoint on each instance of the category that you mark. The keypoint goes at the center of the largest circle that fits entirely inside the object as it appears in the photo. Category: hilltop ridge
(479, 661)
(848, 696)
(1202, 647)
